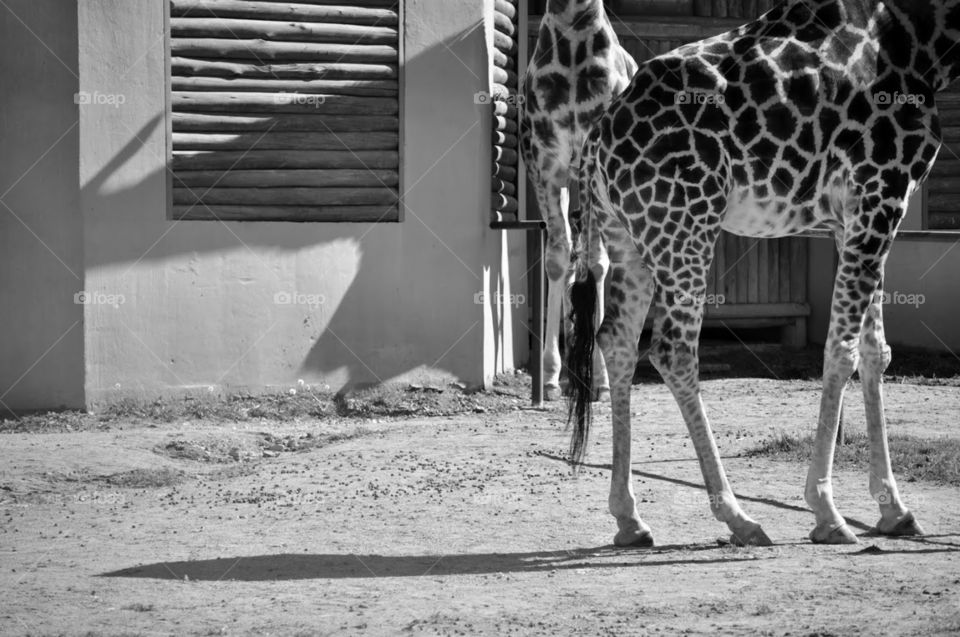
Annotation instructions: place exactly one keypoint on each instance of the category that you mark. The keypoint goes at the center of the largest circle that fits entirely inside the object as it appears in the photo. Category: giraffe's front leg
(631, 290)
(555, 201)
(857, 280)
(839, 361)
(895, 518)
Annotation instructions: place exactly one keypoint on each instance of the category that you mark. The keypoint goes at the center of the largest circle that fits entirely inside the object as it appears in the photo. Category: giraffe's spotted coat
(821, 113)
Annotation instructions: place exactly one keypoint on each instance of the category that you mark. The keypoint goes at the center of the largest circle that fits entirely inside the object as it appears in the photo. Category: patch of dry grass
(929, 459)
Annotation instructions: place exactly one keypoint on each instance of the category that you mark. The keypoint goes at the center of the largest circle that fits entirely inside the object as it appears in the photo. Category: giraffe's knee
(876, 354)
(675, 361)
(840, 359)
(557, 262)
(599, 268)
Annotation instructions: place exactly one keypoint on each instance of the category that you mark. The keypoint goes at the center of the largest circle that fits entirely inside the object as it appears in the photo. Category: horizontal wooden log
(289, 213)
(189, 67)
(944, 167)
(505, 7)
(680, 28)
(263, 50)
(944, 183)
(340, 14)
(504, 24)
(359, 3)
(286, 196)
(275, 159)
(943, 202)
(501, 108)
(504, 203)
(283, 103)
(286, 141)
(937, 220)
(950, 133)
(504, 187)
(229, 122)
(504, 93)
(507, 173)
(359, 88)
(506, 140)
(282, 31)
(284, 178)
(759, 310)
(507, 156)
(505, 125)
(503, 60)
(504, 43)
(507, 77)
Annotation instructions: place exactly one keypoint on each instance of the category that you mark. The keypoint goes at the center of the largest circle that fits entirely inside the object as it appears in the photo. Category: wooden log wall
(285, 110)
(504, 92)
(943, 186)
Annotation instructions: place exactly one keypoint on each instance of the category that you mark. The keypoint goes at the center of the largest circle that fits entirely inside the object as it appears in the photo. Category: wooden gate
(753, 282)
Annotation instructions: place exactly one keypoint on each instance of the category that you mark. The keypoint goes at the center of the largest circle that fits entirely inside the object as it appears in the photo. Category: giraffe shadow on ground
(345, 565)
(332, 566)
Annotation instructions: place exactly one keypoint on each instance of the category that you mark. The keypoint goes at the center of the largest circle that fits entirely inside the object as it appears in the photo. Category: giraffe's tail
(583, 309)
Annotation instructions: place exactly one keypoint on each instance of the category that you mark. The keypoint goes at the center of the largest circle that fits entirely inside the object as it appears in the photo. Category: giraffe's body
(574, 73)
(820, 113)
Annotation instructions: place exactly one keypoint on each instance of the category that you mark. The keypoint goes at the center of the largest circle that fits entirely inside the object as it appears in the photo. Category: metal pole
(535, 254)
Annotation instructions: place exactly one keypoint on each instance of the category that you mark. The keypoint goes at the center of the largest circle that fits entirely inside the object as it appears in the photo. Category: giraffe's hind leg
(895, 518)
(631, 291)
(678, 315)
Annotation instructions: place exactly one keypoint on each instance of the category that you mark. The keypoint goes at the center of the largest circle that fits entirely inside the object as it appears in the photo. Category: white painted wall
(196, 300)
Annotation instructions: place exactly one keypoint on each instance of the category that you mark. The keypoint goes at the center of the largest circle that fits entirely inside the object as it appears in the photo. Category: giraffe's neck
(911, 38)
(576, 12)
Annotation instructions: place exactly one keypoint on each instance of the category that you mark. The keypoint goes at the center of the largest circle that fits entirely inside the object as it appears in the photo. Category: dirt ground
(459, 526)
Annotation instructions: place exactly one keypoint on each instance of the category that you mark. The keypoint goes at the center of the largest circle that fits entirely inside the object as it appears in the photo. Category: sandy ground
(459, 526)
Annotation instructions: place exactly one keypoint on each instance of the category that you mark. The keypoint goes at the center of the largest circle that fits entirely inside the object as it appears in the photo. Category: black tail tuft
(583, 303)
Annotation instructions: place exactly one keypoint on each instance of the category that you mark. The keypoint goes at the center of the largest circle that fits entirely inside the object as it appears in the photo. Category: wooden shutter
(285, 111)
(943, 187)
(505, 113)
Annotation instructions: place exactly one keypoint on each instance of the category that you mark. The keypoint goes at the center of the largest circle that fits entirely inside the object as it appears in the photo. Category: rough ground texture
(465, 525)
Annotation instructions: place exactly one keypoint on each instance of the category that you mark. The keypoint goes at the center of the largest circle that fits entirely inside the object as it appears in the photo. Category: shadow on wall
(396, 298)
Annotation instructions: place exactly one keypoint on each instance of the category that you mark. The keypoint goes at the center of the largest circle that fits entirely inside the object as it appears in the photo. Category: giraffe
(576, 69)
(820, 113)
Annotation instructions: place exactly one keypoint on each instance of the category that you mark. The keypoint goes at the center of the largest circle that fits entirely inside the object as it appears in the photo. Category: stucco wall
(41, 258)
(921, 279)
(196, 301)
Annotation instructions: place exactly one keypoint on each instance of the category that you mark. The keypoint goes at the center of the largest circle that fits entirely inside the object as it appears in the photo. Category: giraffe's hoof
(633, 538)
(833, 535)
(601, 395)
(906, 526)
(754, 536)
(551, 393)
